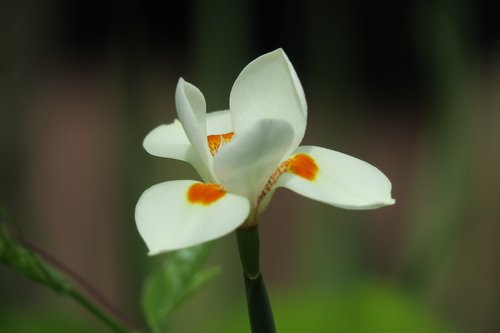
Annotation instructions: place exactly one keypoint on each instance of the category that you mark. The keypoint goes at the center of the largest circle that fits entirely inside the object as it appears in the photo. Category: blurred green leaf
(27, 263)
(173, 282)
(22, 256)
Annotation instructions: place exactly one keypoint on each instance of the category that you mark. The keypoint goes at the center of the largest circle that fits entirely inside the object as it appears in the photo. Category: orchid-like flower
(243, 155)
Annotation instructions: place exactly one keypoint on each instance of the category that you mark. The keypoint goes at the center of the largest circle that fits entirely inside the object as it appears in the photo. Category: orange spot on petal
(215, 140)
(303, 166)
(204, 194)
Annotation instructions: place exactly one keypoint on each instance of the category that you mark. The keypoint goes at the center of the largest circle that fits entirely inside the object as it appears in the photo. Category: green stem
(259, 308)
(92, 308)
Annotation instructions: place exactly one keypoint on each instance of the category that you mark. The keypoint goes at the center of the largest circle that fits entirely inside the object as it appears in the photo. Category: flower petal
(171, 141)
(339, 180)
(178, 214)
(269, 88)
(191, 110)
(168, 141)
(245, 164)
(219, 122)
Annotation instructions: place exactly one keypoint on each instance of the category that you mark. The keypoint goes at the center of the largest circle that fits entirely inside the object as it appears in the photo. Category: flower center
(215, 140)
(204, 194)
(301, 165)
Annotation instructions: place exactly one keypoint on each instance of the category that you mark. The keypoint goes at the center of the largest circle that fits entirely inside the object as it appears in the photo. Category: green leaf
(178, 277)
(23, 256)
(24, 261)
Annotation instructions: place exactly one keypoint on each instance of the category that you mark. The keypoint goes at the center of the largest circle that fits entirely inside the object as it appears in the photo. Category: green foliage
(366, 307)
(22, 320)
(24, 261)
(177, 278)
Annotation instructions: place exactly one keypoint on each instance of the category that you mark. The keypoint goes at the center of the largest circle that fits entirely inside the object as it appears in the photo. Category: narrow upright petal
(245, 165)
(191, 109)
(269, 88)
(178, 214)
(336, 179)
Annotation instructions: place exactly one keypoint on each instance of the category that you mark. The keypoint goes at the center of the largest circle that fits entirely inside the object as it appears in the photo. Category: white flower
(243, 155)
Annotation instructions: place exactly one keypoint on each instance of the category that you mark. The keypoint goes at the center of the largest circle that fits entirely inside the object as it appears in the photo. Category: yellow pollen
(215, 140)
(204, 194)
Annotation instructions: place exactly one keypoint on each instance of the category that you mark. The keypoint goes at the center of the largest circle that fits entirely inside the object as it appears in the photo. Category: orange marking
(303, 166)
(204, 194)
(215, 140)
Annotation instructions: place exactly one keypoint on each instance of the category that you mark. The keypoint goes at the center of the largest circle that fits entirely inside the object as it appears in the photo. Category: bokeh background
(413, 87)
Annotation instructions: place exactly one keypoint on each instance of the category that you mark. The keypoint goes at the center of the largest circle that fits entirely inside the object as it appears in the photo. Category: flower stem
(259, 308)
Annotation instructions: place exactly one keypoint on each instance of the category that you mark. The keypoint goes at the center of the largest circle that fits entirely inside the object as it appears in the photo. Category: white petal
(341, 180)
(219, 122)
(269, 88)
(245, 164)
(191, 110)
(171, 141)
(168, 141)
(168, 221)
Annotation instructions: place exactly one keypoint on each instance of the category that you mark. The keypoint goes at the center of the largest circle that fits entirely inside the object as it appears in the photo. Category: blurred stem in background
(221, 47)
(22, 45)
(441, 209)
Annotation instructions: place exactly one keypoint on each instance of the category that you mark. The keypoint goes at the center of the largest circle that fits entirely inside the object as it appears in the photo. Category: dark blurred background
(412, 87)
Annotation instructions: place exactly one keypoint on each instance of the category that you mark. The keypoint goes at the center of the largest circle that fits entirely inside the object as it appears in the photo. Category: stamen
(302, 165)
(215, 140)
(205, 194)
(272, 180)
